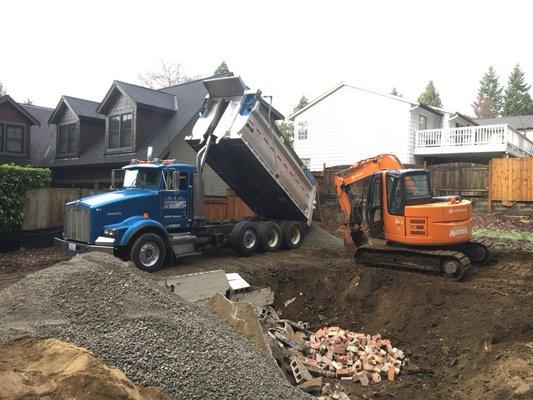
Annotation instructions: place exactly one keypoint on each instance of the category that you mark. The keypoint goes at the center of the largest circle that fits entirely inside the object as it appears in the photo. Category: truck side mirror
(175, 180)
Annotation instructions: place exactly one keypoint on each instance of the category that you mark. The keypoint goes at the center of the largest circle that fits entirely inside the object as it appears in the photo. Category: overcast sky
(286, 48)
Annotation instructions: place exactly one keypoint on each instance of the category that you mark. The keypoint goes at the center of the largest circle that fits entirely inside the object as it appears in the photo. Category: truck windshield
(416, 186)
(141, 178)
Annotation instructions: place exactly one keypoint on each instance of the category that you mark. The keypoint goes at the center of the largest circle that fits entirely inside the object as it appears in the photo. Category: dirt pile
(318, 238)
(103, 304)
(52, 369)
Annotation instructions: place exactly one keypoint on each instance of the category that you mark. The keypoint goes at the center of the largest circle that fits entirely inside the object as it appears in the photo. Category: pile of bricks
(353, 356)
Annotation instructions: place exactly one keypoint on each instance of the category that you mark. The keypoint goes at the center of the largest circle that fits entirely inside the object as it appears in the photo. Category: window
(1, 137)
(302, 130)
(422, 122)
(394, 195)
(120, 131)
(14, 139)
(416, 186)
(67, 139)
(141, 178)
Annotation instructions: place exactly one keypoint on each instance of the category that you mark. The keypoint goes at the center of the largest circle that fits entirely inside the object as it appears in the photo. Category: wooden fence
(505, 179)
(45, 207)
(511, 180)
(464, 179)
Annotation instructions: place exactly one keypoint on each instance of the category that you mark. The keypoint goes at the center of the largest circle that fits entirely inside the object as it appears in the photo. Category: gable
(9, 113)
(65, 115)
(119, 103)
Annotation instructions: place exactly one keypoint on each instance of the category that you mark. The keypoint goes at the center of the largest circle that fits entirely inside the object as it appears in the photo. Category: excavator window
(416, 186)
(394, 195)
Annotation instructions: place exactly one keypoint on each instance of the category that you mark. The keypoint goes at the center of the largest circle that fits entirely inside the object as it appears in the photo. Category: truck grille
(77, 223)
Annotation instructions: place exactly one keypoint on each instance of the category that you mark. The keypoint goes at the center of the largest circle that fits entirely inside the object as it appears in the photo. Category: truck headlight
(110, 232)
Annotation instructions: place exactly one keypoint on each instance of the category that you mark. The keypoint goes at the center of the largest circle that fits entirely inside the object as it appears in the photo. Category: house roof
(140, 95)
(188, 96)
(518, 122)
(342, 84)
(19, 108)
(80, 107)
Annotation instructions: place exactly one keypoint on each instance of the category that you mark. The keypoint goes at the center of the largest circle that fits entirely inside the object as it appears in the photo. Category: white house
(347, 124)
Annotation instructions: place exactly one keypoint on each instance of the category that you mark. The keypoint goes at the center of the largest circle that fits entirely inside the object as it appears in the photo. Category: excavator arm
(356, 173)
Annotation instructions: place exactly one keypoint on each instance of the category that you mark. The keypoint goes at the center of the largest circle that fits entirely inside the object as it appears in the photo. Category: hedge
(15, 181)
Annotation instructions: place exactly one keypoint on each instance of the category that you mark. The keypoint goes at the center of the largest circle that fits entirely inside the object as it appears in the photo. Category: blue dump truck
(158, 213)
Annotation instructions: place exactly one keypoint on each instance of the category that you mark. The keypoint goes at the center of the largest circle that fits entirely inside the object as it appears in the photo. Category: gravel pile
(318, 238)
(156, 338)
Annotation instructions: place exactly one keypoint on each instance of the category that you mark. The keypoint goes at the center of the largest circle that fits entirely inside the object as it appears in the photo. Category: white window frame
(301, 131)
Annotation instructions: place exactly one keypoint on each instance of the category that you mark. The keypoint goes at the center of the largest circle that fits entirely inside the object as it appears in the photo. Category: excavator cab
(402, 187)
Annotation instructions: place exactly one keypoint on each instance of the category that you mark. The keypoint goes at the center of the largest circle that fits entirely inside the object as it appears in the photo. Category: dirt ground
(465, 340)
(50, 368)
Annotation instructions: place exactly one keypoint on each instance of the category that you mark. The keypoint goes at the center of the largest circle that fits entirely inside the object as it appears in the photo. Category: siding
(183, 153)
(434, 121)
(91, 130)
(353, 124)
(147, 123)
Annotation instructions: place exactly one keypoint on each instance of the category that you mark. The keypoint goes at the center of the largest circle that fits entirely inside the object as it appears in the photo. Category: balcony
(494, 139)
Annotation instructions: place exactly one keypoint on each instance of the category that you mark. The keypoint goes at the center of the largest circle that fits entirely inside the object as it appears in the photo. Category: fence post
(489, 203)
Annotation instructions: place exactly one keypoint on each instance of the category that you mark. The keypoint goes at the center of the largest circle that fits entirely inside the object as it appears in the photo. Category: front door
(374, 207)
(175, 205)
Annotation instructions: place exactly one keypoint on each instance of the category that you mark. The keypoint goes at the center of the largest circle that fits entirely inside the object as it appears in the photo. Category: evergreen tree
(489, 99)
(301, 104)
(517, 98)
(395, 92)
(222, 69)
(430, 96)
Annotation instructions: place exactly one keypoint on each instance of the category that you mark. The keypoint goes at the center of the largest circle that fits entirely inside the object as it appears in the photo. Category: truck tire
(245, 238)
(270, 236)
(293, 233)
(148, 252)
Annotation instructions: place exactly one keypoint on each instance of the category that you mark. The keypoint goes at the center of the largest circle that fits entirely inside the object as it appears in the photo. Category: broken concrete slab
(242, 316)
(311, 386)
(197, 286)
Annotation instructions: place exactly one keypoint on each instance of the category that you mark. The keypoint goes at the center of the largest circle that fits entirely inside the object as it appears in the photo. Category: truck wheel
(270, 236)
(148, 252)
(293, 233)
(245, 238)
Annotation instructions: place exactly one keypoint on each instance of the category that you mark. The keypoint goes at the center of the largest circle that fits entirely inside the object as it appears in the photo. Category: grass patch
(508, 235)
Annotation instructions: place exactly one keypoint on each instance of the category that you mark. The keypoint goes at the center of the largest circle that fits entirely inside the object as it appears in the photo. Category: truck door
(175, 207)
(374, 206)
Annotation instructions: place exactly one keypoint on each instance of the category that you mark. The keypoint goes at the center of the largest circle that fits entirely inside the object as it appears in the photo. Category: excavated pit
(465, 340)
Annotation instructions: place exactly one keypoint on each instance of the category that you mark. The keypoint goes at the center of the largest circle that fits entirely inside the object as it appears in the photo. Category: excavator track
(478, 250)
(448, 262)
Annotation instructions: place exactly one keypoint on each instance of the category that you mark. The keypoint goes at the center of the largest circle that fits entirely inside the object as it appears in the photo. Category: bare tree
(28, 101)
(168, 74)
(2, 89)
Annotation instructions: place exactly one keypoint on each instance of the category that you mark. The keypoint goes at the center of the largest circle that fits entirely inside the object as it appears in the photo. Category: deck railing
(466, 138)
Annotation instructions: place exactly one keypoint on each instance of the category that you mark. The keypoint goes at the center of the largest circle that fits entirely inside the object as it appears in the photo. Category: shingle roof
(517, 122)
(146, 96)
(83, 108)
(80, 107)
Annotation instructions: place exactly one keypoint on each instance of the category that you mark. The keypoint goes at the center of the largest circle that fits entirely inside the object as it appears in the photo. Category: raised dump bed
(237, 136)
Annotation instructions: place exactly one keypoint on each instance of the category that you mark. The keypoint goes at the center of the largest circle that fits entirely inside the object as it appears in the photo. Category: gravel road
(103, 304)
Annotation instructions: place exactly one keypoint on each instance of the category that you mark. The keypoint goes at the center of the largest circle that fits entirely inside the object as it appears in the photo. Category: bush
(15, 181)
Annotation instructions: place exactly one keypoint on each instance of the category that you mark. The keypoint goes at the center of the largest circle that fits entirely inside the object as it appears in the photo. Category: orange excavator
(414, 229)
